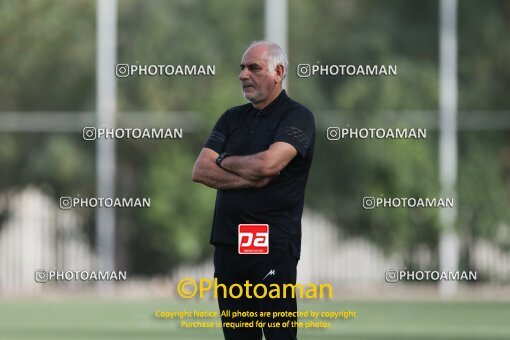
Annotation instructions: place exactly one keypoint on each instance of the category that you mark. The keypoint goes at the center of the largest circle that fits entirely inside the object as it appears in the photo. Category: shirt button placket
(254, 125)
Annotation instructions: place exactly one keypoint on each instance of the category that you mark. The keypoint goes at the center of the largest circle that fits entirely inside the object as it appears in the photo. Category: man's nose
(244, 75)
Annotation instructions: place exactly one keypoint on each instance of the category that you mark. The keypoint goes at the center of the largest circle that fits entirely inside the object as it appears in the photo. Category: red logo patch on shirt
(253, 239)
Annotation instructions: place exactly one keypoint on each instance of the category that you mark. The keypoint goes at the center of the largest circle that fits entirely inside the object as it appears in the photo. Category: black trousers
(278, 267)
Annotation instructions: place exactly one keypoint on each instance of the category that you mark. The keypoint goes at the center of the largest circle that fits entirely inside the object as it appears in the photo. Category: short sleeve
(218, 136)
(298, 129)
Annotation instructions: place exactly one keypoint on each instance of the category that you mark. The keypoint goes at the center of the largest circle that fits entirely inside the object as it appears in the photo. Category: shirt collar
(270, 108)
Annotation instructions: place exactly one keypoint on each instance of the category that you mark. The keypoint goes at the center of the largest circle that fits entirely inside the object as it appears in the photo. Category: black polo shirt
(244, 130)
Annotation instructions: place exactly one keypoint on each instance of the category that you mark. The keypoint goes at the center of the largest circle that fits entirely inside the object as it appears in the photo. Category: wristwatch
(221, 157)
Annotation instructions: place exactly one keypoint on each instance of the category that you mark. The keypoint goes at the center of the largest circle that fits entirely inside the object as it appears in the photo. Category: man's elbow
(194, 177)
(269, 168)
(196, 174)
(273, 161)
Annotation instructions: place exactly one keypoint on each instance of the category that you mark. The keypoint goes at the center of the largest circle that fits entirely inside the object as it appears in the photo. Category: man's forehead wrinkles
(251, 64)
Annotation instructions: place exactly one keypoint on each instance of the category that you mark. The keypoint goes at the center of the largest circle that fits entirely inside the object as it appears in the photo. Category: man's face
(257, 80)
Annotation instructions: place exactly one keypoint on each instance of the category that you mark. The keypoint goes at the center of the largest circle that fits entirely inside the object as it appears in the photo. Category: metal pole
(106, 110)
(276, 24)
(449, 240)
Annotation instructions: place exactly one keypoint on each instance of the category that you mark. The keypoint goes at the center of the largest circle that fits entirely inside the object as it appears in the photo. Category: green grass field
(114, 319)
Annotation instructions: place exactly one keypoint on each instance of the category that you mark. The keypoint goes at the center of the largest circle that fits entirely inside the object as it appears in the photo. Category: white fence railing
(36, 234)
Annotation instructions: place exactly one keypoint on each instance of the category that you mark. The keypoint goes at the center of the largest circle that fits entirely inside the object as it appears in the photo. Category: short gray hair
(275, 56)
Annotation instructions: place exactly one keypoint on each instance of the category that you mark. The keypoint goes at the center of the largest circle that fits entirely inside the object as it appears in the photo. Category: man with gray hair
(258, 157)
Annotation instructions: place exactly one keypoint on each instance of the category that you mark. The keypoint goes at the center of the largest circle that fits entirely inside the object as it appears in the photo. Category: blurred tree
(406, 34)
(47, 64)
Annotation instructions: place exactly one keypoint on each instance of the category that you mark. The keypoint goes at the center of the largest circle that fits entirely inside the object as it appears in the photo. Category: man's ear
(279, 72)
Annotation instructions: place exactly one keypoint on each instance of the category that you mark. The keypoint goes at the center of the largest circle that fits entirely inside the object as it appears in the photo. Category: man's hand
(207, 172)
(263, 164)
